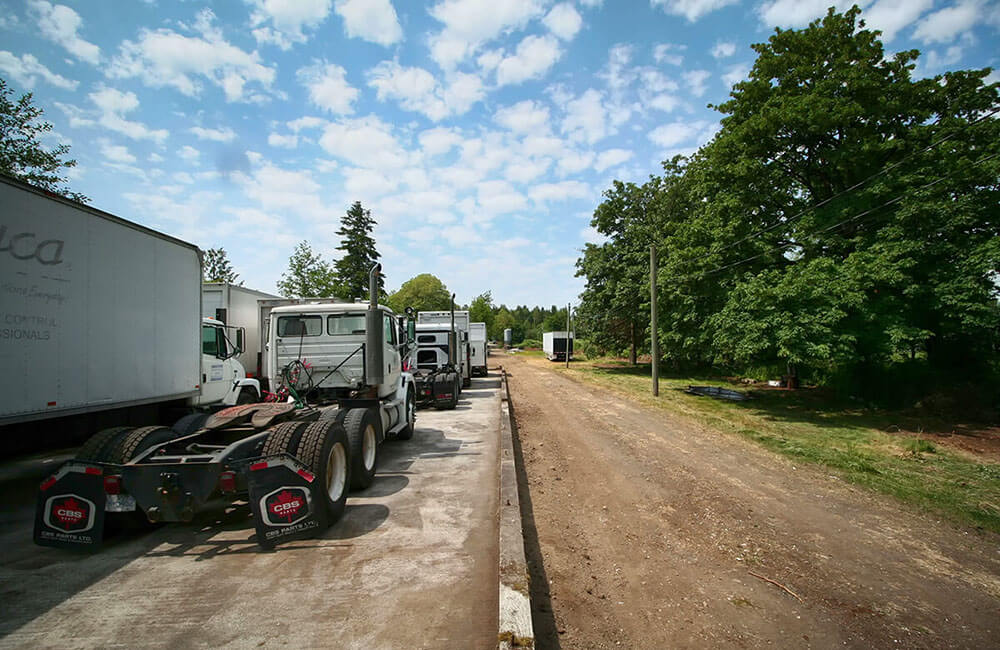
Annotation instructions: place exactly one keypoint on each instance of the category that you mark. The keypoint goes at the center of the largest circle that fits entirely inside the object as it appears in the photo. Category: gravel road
(645, 530)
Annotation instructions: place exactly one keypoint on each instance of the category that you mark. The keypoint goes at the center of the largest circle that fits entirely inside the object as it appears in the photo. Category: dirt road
(649, 527)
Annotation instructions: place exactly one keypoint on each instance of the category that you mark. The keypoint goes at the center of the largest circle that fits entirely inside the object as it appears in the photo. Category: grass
(812, 427)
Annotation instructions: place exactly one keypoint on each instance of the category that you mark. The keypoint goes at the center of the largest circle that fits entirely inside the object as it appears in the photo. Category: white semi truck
(230, 303)
(293, 461)
(477, 349)
(463, 361)
(101, 323)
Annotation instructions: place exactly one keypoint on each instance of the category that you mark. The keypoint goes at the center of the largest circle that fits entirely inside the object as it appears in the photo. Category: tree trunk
(792, 379)
(631, 349)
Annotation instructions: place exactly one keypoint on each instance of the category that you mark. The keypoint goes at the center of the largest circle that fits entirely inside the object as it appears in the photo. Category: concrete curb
(514, 625)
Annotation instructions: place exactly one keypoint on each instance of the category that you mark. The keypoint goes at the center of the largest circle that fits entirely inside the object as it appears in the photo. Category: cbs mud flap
(287, 501)
(70, 508)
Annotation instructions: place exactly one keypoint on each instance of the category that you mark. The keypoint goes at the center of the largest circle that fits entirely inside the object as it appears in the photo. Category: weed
(917, 446)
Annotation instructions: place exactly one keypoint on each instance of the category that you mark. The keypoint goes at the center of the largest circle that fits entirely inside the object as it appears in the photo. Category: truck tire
(410, 413)
(362, 439)
(323, 448)
(466, 382)
(456, 389)
(99, 446)
(190, 423)
(141, 439)
(284, 439)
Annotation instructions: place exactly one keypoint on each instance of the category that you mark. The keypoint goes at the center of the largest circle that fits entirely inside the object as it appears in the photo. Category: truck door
(392, 360)
(214, 349)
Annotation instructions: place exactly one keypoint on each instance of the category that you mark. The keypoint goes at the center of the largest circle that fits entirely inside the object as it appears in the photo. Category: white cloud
(307, 122)
(561, 191)
(667, 53)
(799, 13)
(60, 24)
(288, 18)
(183, 177)
(563, 21)
(534, 57)
(468, 24)
(586, 118)
(328, 87)
(695, 80)
(367, 184)
(891, 16)
(155, 158)
(417, 90)
(574, 162)
(371, 20)
(188, 153)
(678, 133)
(225, 134)
(691, 9)
(27, 69)
(590, 235)
(499, 197)
(364, 142)
(116, 153)
(113, 105)
(165, 58)
(283, 141)
(724, 49)
(439, 141)
(611, 157)
(945, 25)
(735, 74)
(526, 116)
(526, 170)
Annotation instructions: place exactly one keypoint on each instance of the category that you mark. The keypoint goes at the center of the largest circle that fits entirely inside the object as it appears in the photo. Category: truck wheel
(284, 439)
(466, 382)
(139, 441)
(325, 450)
(99, 446)
(456, 387)
(362, 439)
(247, 396)
(410, 413)
(190, 423)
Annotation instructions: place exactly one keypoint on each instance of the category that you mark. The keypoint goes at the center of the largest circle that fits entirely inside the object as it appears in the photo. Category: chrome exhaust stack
(374, 332)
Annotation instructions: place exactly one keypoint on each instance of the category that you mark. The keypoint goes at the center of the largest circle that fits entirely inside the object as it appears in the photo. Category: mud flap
(70, 509)
(287, 501)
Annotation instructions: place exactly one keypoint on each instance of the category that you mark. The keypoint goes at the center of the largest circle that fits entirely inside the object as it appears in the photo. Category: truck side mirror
(411, 330)
(240, 335)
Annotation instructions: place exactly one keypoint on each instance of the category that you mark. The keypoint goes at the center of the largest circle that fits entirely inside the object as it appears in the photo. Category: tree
(505, 320)
(308, 276)
(353, 267)
(481, 310)
(22, 156)
(217, 267)
(423, 292)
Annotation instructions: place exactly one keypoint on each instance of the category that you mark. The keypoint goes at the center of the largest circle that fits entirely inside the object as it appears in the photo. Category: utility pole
(654, 351)
(569, 341)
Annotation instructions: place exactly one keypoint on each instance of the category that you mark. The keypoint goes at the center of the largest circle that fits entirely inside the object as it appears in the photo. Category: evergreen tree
(359, 253)
(218, 268)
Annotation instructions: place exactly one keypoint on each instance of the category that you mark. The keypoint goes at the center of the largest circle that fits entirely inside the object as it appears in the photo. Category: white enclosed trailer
(99, 314)
(556, 345)
(464, 356)
(477, 347)
(508, 337)
(230, 303)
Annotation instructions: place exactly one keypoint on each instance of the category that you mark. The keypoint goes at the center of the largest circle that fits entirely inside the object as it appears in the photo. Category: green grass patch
(813, 427)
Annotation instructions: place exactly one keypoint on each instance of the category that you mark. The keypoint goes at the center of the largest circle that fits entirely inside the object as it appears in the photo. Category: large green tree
(359, 255)
(308, 276)
(22, 155)
(481, 310)
(424, 292)
(216, 267)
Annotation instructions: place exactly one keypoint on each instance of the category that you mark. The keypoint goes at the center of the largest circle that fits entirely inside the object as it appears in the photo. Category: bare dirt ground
(644, 531)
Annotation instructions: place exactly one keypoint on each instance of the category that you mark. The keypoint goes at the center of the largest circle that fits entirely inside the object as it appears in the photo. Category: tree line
(840, 228)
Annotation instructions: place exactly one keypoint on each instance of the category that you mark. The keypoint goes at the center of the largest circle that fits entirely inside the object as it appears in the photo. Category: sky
(480, 133)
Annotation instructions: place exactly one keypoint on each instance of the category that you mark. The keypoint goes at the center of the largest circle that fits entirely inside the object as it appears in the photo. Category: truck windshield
(345, 324)
(300, 326)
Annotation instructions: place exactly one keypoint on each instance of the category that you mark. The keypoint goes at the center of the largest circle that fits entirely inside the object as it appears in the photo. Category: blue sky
(480, 133)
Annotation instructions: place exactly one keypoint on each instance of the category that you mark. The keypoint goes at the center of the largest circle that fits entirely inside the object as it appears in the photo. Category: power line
(834, 226)
(843, 192)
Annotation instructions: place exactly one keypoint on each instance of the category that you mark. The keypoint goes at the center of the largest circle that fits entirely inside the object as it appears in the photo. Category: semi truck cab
(223, 377)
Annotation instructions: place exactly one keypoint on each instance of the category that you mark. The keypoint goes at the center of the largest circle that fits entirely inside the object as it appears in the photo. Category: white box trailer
(230, 303)
(556, 344)
(462, 327)
(97, 312)
(477, 348)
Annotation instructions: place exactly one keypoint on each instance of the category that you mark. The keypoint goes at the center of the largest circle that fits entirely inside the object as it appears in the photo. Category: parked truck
(557, 345)
(477, 349)
(293, 461)
(230, 303)
(460, 319)
(433, 361)
(101, 323)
